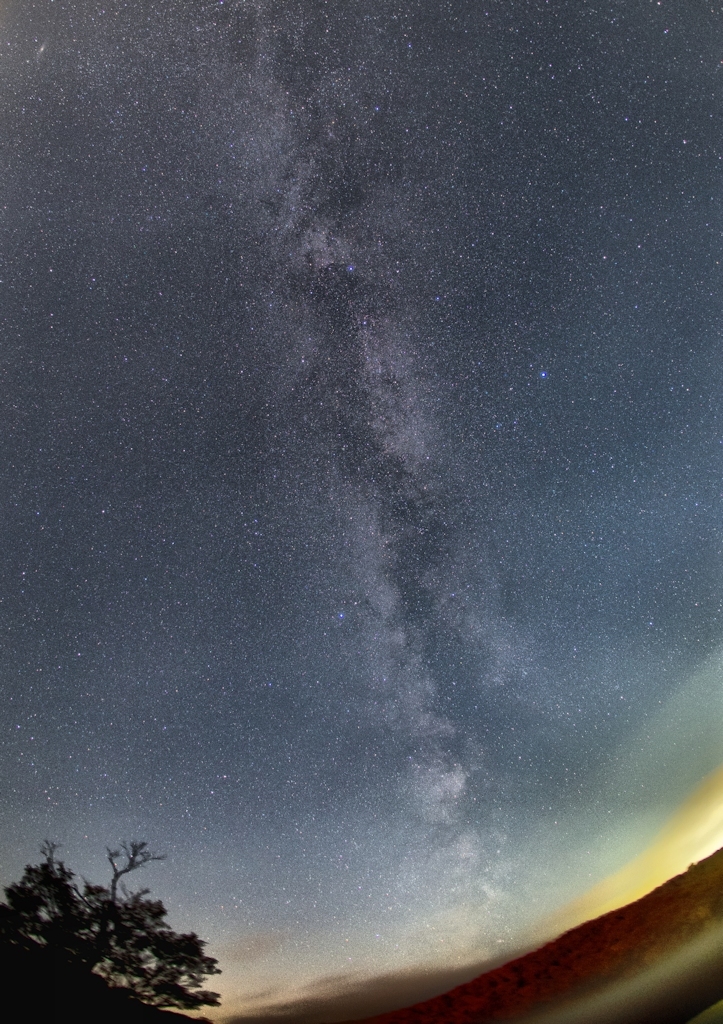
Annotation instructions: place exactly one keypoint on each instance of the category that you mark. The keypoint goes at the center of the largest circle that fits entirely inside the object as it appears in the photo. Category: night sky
(360, 460)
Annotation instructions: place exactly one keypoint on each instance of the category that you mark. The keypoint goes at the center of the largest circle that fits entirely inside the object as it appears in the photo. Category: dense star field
(361, 460)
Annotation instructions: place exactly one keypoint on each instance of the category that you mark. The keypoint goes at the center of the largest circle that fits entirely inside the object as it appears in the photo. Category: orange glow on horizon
(693, 833)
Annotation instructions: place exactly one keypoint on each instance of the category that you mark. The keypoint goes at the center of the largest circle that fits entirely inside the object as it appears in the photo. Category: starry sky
(360, 462)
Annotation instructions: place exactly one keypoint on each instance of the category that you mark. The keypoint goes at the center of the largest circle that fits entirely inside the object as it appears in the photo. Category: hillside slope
(658, 960)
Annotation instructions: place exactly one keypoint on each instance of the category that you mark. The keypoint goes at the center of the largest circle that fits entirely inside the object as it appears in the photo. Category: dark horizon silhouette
(628, 966)
(657, 960)
(83, 952)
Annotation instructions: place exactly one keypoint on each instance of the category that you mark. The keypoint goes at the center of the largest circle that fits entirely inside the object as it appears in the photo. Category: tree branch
(136, 855)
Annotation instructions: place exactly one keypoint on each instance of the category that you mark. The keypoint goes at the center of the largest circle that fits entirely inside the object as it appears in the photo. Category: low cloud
(353, 997)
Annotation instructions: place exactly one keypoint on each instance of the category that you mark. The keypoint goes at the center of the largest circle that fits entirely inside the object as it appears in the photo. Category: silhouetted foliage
(119, 936)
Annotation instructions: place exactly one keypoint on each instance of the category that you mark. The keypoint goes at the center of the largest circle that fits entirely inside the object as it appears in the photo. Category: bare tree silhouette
(136, 854)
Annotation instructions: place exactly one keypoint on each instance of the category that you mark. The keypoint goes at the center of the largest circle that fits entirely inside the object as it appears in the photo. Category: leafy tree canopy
(121, 936)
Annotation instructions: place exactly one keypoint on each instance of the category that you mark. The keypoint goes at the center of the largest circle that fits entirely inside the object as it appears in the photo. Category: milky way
(361, 459)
